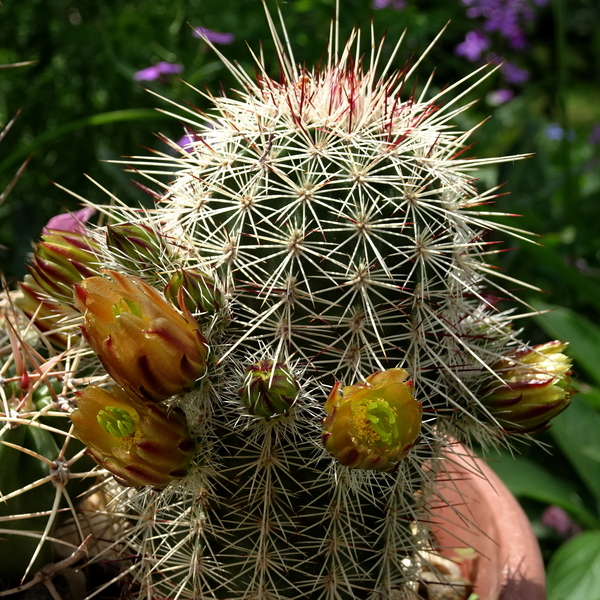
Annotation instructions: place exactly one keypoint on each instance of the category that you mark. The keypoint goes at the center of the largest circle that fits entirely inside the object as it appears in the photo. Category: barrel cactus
(280, 351)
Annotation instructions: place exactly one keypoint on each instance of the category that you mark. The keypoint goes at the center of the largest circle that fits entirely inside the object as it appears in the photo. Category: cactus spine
(327, 220)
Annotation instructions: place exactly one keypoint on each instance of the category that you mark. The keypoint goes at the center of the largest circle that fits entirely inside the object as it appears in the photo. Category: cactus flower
(140, 443)
(373, 424)
(536, 388)
(270, 390)
(144, 343)
(61, 259)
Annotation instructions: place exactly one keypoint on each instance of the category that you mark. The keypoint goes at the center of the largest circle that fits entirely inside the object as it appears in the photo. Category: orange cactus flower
(373, 424)
(536, 388)
(140, 443)
(144, 343)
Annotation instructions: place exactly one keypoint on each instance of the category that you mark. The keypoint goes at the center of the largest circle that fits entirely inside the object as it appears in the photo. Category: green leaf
(116, 116)
(583, 336)
(586, 287)
(525, 478)
(576, 432)
(574, 571)
(18, 471)
(590, 394)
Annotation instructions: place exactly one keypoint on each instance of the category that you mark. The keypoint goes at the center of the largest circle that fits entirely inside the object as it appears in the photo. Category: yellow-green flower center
(383, 420)
(125, 305)
(375, 422)
(116, 421)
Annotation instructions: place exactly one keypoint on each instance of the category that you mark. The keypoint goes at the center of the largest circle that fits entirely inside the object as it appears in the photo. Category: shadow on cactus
(323, 233)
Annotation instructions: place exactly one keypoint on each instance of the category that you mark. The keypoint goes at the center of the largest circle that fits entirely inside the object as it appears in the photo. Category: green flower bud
(139, 442)
(536, 388)
(270, 390)
(49, 316)
(61, 259)
(138, 245)
(201, 293)
(373, 424)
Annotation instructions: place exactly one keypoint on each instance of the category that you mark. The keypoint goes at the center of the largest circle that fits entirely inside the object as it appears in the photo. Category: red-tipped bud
(270, 389)
(50, 317)
(61, 259)
(144, 343)
(137, 246)
(536, 388)
(373, 424)
(201, 293)
(139, 442)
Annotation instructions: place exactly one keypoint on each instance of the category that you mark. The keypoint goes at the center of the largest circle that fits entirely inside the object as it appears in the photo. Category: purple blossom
(474, 45)
(514, 74)
(556, 518)
(555, 132)
(71, 221)
(501, 96)
(215, 37)
(504, 16)
(187, 142)
(161, 70)
(394, 4)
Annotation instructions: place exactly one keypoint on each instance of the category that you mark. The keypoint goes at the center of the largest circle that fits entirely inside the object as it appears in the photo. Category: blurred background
(83, 99)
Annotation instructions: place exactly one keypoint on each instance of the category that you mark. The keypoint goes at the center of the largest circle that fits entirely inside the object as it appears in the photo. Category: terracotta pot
(477, 511)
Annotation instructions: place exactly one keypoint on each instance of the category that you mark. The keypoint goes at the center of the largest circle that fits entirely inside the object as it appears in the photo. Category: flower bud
(61, 259)
(138, 245)
(373, 424)
(48, 316)
(140, 443)
(270, 390)
(200, 292)
(144, 343)
(536, 388)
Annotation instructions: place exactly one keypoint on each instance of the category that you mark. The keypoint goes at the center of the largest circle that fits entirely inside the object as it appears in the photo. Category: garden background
(82, 101)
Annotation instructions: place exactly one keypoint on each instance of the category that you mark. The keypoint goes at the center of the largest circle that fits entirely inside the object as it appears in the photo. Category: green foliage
(573, 571)
(19, 470)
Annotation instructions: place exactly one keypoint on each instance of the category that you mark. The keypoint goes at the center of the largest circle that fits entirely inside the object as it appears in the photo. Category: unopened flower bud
(270, 389)
(536, 388)
(49, 316)
(138, 246)
(373, 424)
(201, 293)
(144, 343)
(140, 443)
(61, 259)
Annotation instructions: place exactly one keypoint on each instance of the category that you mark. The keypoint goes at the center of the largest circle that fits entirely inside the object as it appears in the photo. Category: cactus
(322, 235)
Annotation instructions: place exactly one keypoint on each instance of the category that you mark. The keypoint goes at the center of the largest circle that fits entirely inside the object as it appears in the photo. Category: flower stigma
(116, 421)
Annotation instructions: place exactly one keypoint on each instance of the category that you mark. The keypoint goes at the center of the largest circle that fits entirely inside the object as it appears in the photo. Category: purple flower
(71, 221)
(556, 518)
(501, 96)
(555, 132)
(187, 142)
(505, 17)
(395, 4)
(162, 71)
(514, 74)
(474, 45)
(215, 37)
